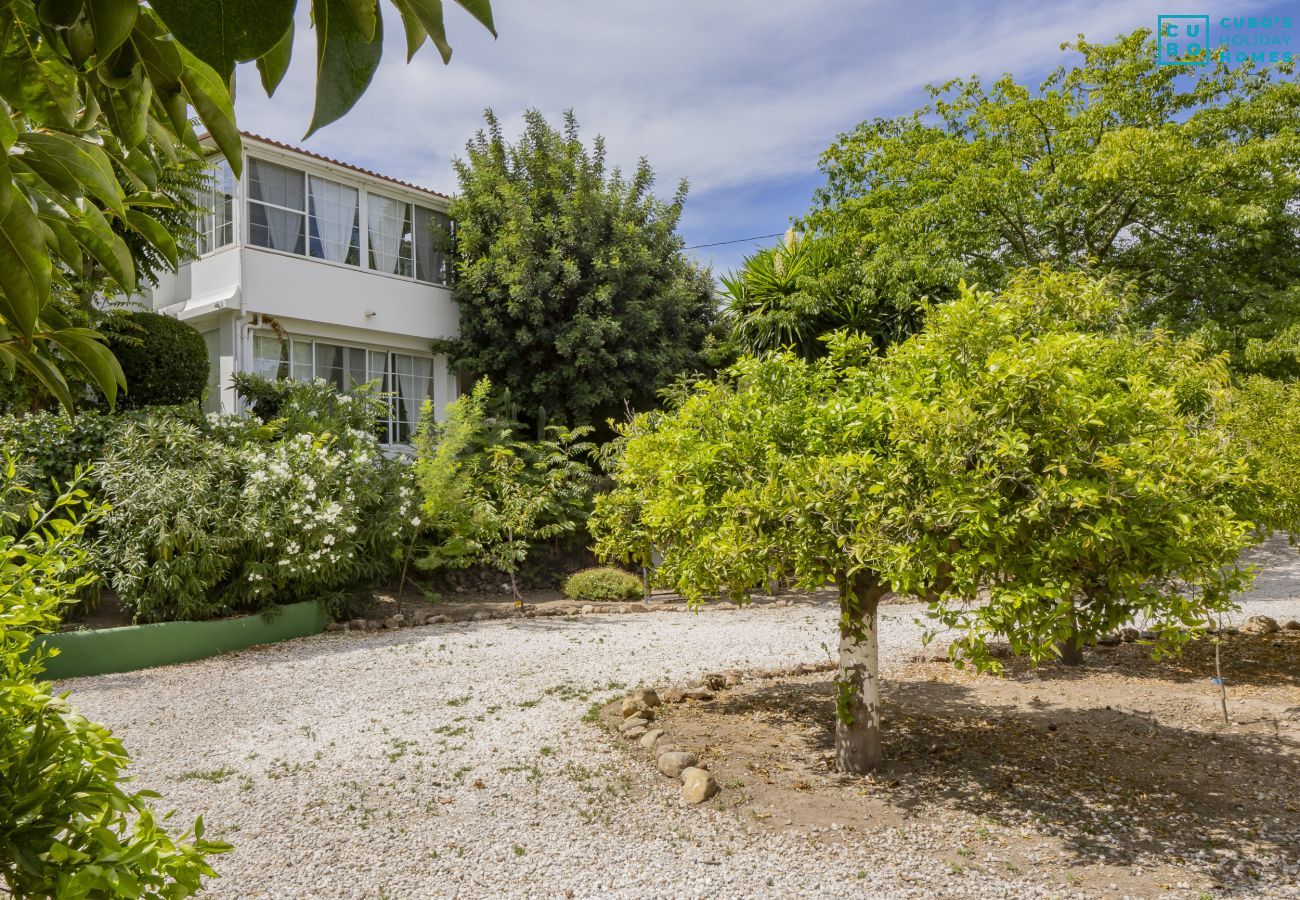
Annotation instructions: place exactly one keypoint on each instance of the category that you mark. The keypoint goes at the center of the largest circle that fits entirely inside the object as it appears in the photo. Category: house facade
(312, 268)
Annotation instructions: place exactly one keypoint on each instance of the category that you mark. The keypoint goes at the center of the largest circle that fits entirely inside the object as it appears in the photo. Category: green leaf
(25, 267)
(68, 164)
(415, 32)
(481, 10)
(428, 13)
(112, 21)
(365, 13)
(87, 348)
(345, 61)
(210, 98)
(108, 249)
(275, 62)
(156, 233)
(226, 32)
(45, 371)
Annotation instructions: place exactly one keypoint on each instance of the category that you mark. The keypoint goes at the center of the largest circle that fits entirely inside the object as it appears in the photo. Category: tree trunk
(1071, 649)
(858, 747)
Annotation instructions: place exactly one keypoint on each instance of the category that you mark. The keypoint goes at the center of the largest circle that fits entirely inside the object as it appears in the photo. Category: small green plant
(603, 585)
(212, 776)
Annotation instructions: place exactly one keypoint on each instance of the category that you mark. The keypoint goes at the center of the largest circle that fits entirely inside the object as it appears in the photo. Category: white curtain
(414, 383)
(333, 211)
(385, 224)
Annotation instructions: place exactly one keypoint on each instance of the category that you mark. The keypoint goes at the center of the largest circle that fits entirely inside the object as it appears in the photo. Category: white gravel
(454, 761)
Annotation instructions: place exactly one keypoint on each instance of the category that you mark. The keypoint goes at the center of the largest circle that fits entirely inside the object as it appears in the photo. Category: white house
(313, 268)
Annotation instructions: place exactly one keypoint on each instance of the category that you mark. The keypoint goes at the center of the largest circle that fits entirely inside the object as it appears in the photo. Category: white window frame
(390, 423)
(214, 165)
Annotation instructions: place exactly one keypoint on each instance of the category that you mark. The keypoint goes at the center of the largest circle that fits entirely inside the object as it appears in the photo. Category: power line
(736, 241)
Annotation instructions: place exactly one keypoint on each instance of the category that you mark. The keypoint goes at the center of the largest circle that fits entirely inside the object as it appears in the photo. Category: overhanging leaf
(225, 32)
(69, 164)
(345, 61)
(155, 232)
(24, 267)
(86, 347)
(211, 100)
(112, 21)
(481, 10)
(275, 62)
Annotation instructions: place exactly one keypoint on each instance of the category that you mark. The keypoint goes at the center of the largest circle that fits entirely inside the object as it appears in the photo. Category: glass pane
(432, 238)
(215, 225)
(334, 221)
(414, 387)
(389, 230)
(278, 229)
(275, 184)
(302, 362)
(329, 364)
(270, 356)
(356, 367)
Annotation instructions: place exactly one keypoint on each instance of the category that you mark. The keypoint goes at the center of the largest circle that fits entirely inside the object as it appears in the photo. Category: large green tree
(573, 289)
(1185, 180)
(1036, 470)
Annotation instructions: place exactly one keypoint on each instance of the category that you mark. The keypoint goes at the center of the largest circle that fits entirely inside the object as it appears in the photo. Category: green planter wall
(144, 646)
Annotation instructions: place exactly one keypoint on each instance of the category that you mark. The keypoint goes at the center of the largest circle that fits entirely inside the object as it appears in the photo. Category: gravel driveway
(455, 761)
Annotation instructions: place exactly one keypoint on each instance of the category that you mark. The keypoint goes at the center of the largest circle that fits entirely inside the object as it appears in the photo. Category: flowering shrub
(237, 515)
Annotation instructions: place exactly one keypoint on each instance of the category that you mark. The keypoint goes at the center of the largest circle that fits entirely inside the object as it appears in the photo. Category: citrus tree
(1027, 465)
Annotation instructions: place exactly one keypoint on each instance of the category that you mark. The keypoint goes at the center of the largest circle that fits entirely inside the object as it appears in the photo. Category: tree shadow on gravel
(1114, 788)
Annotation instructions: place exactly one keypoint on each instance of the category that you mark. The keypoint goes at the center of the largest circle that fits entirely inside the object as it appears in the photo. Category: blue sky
(738, 96)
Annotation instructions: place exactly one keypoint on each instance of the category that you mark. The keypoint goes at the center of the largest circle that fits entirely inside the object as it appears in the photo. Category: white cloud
(732, 94)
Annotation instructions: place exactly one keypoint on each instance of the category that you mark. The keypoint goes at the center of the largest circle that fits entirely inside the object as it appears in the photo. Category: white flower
(415, 521)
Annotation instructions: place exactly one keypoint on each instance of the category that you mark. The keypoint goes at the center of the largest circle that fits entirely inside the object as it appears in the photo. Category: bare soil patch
(1119, 778)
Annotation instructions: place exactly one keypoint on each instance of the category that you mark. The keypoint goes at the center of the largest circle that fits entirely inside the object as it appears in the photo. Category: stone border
(414, 620)
(129, 648)
(638, 723)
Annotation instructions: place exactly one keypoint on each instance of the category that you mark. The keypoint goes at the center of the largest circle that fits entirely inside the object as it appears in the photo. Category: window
(333, 221)
(405, 379)
(390, 235)
(276, 207)
(406, 239)
(298, 213)
(216, 221)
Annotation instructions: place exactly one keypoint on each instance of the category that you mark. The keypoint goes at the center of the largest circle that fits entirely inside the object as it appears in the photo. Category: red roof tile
(334, 162)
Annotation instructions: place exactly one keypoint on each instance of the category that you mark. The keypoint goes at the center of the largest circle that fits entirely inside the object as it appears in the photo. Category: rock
(697, 693)
(714, 681)
(1149, 636)
(394, 621)
(374, 625)
(674, 695)
(481, 616)
(633, 707)
(732, 677)
(336, 626)
(633, 733)
(698, 785)
(646, 696)
(1109, 640)
(572, 611)
(438, 620)
(1293, 625)
(1260, 625)
(651, 737)
(634, 722)
(674, 761)
(588, 609)
(725, 604)
(1230, 629)
(807, 669)
(1128, 635)
(358, 624)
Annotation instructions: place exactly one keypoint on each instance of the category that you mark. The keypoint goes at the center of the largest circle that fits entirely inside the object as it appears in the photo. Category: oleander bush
(69, 827)
(236, 515)
(603, 585)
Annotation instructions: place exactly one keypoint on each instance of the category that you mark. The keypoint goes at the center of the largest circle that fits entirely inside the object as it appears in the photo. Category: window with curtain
(404, 379)
(389, 235)
(216, 219)
(277, 205)
(432, 237)
(333, 221)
